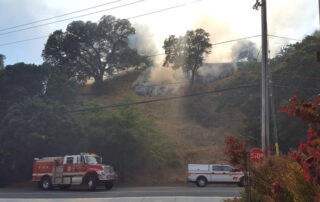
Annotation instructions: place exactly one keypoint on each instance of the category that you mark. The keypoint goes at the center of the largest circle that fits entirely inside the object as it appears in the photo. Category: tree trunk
(193, 74)
(98, 79)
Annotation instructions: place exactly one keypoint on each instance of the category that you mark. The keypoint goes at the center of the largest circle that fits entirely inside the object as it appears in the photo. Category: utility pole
(265, 140)
(319, 10)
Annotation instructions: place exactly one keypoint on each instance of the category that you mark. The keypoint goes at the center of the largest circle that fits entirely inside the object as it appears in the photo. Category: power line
(165, 9)
(58, 16)
(163, 99)
(124, 5)
(283, 37)
(296, 76)
(154, 55)
(305, 88)
(41, 25)
(233, 40)
(24, 40)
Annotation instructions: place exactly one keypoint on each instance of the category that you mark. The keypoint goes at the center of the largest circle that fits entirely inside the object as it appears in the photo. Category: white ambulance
(202, 174)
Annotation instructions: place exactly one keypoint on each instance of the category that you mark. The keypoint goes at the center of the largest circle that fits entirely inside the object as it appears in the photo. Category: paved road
(118, 192)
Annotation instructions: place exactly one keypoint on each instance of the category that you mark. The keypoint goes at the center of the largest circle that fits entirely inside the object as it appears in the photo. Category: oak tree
(187, 52)
(88, 49)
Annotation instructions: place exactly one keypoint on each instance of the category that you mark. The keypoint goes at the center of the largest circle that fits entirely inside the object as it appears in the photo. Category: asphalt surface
(122, 192)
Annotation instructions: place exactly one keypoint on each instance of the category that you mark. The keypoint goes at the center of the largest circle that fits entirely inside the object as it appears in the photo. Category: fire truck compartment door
(57, 174)
(76, 180)
(66, 180)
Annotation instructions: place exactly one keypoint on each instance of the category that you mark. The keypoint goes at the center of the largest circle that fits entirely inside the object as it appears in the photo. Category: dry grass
(196, 143)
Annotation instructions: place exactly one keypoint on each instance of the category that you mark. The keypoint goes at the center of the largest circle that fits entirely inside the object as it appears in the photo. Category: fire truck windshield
(91, 159)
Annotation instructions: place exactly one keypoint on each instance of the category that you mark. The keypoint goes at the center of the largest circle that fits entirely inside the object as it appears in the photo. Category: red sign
(256, 155)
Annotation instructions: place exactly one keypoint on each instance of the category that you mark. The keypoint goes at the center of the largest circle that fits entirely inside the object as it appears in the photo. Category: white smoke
(159, 80)
(142, 40)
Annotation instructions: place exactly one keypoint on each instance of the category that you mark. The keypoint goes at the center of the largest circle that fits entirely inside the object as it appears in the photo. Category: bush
(281, 179)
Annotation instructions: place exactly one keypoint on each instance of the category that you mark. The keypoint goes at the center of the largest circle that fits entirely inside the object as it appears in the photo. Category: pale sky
(223, 19)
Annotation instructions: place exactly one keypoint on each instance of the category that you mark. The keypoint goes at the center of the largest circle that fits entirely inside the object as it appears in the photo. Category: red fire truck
(82, 169)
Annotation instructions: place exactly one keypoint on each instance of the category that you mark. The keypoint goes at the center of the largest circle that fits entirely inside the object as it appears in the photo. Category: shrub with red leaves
(235, 151)
(308, 153)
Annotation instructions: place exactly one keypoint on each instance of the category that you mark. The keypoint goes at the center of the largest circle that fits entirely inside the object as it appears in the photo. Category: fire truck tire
(64, 187)
(108, 185)
(45, 183)
(92, 183)
(201, 182)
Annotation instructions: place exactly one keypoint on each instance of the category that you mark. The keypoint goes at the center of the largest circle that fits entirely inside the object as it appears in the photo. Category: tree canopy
(88, 49)
(188, 51)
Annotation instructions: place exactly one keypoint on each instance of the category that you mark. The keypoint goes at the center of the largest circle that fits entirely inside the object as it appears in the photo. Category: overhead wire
(141, 15)
(163, 99)
(124, 5)
(58, 16)
(49, 23)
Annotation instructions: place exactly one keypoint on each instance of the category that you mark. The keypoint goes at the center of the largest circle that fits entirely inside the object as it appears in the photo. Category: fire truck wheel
(92, 183)
(64, 187)
(45, 183)
(201, 182)
(108, 185)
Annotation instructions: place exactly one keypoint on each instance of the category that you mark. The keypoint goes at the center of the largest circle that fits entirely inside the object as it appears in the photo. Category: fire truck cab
(83, 169)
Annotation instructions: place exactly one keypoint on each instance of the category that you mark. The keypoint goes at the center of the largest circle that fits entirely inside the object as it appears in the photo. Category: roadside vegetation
(47, 110)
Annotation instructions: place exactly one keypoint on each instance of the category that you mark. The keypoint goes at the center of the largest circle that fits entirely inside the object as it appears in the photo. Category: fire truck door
(57, 173)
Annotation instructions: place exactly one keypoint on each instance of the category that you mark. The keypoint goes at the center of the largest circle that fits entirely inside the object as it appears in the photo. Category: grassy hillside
(198, 124)
(198, 137)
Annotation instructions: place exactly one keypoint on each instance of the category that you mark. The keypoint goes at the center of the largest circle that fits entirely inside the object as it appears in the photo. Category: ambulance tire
(45, 183)
(201, 182)
(108, 185)
(241, 183)
(92, 183)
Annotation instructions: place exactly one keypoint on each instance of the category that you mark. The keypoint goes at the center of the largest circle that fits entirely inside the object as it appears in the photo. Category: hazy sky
(223, 19)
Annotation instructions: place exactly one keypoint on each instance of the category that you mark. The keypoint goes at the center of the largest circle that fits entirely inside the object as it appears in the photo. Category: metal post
(265, 141)
(274, 117)
(319, 10)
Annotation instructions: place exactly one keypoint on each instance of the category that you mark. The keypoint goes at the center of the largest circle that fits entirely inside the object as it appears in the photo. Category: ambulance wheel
(201, 182)
(92, 183)
(108, 185)
(241, 183)
(45, 183)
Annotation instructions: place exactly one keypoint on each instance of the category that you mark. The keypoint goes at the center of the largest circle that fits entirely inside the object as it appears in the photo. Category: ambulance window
(216, 168)
(70, 160)
(227, 168)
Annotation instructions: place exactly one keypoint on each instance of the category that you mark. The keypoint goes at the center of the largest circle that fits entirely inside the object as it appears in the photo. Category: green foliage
(59, 87)
(20, 81)
(36, 121)
(187, 52)
(295, 69)
(90, 49)
(33, 128)
(127, 139)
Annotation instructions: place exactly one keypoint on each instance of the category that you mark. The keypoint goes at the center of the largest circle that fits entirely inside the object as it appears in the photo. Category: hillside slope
(180, 119)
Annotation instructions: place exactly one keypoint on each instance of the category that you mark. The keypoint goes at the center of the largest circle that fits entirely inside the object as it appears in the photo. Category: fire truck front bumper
(104, 177)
